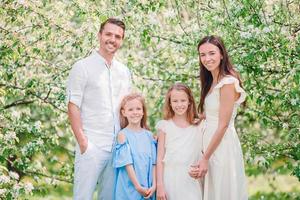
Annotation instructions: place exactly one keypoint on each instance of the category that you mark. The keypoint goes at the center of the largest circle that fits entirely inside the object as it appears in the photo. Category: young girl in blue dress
(135, 152)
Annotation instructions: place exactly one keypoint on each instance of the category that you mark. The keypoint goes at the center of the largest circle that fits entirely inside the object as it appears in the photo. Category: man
(95, 87)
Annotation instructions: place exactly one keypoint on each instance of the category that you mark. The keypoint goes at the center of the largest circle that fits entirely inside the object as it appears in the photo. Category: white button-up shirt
(97, 89)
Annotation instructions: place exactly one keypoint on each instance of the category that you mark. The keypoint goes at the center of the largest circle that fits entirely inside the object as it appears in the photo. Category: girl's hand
(150, 192)
(203, 168)
(160, 193)
(143, 191)
(194, 171)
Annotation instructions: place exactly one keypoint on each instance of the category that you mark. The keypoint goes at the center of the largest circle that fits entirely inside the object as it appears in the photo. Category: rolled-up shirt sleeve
(76, 84)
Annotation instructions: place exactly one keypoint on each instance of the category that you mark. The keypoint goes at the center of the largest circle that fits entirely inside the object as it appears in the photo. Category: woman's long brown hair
(225, 68)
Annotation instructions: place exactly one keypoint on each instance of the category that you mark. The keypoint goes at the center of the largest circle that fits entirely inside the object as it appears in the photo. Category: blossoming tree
(40, 40)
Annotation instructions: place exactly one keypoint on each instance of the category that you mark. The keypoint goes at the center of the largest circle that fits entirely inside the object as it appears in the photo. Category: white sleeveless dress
(182, 149)
(225, 179)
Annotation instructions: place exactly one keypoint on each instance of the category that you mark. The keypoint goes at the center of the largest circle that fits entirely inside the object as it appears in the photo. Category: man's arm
(76, 125)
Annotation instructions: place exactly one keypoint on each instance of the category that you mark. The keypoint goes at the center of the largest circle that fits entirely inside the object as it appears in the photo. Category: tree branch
(297, 29)
(46, 175)
(226, 10)
(198, 17)
(45, 99)
(48, 102)
(273, 89)
(178, 14)
(171, 40)
(46, 19)
(18, 103)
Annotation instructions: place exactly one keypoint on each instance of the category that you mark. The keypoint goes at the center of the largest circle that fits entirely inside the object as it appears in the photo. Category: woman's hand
(203, 168)
(202, 116)
(160, 193)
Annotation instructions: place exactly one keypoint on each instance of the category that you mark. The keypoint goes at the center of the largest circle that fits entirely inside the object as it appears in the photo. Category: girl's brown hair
(130, 97)
(225, 68)
(191, 111)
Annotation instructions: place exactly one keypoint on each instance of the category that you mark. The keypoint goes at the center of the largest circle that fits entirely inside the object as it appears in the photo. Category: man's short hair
(113, 21)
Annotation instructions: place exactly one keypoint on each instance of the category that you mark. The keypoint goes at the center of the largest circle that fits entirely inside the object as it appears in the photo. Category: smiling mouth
(135, 117)
(111, 46)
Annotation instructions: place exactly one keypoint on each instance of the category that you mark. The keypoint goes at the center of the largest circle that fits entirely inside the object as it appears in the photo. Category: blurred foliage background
(41, 39)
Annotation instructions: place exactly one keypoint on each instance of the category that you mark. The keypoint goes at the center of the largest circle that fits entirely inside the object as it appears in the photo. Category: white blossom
(2, 192)
(55, 182)
(285, 125)
(48, 181)
(9, 136)
(153, 19)
(266, 30)
(24, 150)
(169, 13)
(40, 142)
(60, 133)
(4, 179)
(14, 175)
(28, 187)
(22, 2)
(261, 161)
(245, 35)
(37, 125)
(16, 189)
(16, 114)
(294, 102)
(250, 27)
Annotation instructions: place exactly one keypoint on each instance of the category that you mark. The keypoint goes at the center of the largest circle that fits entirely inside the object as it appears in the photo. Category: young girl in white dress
(179, 141)
(221, 94)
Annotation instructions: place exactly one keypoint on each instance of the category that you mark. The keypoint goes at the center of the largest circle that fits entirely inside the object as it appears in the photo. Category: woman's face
(210, 56)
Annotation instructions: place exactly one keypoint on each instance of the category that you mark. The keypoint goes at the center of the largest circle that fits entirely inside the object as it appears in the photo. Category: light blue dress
(139, 149)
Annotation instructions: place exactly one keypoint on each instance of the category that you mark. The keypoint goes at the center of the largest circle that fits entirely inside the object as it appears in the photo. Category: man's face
(110, 38)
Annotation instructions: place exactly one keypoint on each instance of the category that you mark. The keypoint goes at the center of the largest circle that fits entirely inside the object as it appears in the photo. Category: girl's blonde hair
(130, 97)
(168, 112)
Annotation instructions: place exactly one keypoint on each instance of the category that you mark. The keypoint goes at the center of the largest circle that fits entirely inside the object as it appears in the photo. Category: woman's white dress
(182, 149)
(225, 179)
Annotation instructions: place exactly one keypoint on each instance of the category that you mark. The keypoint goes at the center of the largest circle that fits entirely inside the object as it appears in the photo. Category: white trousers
(92, 167)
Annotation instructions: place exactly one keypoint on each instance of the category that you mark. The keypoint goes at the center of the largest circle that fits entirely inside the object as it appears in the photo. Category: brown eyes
(179, 100)
(212, 53)
(116, 36)
(131, 109)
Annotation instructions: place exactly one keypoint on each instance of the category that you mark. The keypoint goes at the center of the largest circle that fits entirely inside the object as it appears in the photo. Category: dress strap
(232, 80)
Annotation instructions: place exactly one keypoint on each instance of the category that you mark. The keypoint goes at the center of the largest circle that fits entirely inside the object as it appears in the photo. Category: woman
(222, 163)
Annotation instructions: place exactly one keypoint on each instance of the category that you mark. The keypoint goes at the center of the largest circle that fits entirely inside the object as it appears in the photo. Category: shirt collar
(101, 59)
